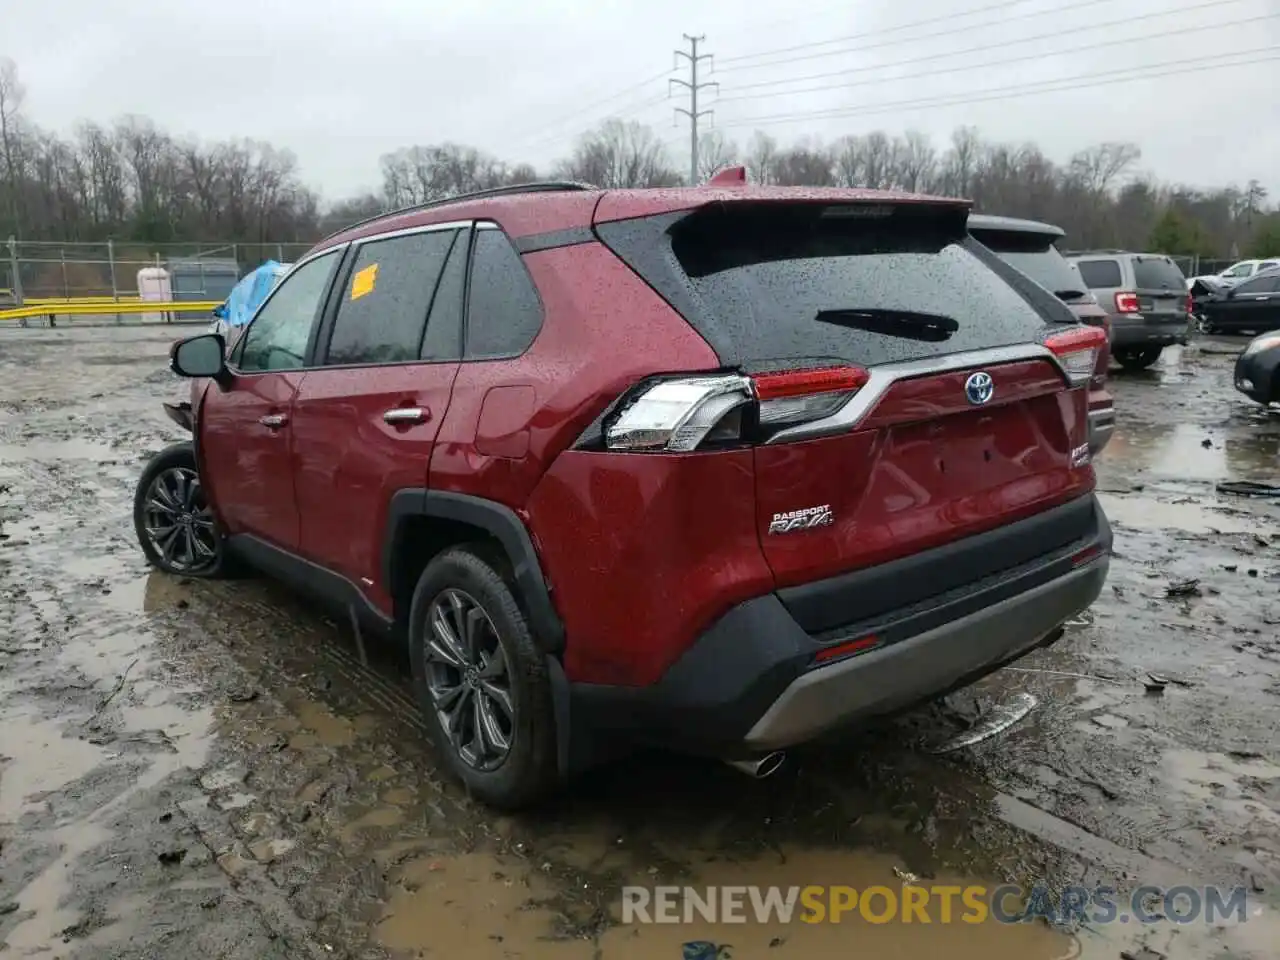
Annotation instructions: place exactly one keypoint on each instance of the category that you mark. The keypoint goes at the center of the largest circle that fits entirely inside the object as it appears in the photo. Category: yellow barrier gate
(104, 307)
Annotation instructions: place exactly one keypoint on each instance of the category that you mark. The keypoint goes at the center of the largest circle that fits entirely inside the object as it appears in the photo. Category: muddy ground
(205, 769)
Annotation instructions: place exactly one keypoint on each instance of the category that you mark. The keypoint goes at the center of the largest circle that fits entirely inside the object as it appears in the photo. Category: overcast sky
(342, 83)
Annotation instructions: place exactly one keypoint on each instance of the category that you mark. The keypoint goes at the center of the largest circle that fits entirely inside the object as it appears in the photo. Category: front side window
(277, 336)
(1268, 284)
(383, 311)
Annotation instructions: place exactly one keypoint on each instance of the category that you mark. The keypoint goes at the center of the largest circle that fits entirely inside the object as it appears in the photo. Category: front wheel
(173, 519)
(481, 679)
(1138, 358)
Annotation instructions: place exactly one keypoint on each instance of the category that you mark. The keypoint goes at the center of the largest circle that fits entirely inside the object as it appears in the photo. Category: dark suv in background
(1030, 247)
(716, 468)
(1146, 297)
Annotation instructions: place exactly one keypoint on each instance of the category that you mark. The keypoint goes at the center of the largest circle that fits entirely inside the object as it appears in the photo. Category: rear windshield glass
(1034, 255)
(1157, 273)
(788, 282)
(1100, 274)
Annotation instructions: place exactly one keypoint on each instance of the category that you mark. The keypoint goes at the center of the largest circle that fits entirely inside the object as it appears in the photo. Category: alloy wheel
(178, 521)
(469, 679)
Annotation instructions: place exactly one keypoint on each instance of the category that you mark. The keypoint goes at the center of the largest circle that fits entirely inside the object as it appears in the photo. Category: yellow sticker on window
(363, 281)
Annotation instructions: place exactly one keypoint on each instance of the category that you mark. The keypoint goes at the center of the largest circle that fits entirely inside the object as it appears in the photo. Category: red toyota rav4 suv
(716, 468)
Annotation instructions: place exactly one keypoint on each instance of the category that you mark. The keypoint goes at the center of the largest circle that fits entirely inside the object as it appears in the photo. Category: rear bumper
(909, 671)
(1138, 330)
(753, 681)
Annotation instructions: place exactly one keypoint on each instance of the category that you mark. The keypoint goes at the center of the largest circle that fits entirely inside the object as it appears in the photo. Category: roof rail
(1082, 253)
(536, 186)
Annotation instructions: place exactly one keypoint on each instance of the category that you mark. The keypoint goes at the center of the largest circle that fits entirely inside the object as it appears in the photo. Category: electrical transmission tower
(693, 113)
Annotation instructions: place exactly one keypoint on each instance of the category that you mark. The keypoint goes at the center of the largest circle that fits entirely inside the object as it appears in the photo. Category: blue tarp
(247, 295)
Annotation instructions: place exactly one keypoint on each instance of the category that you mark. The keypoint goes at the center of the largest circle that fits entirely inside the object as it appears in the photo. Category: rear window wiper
(908, 324)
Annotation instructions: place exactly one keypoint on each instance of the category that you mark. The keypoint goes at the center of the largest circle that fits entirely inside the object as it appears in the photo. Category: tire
(502, 748)
(190, 544)
(1138, 358)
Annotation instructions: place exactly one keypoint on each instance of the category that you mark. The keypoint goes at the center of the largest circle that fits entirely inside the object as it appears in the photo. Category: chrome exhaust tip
(760, 767)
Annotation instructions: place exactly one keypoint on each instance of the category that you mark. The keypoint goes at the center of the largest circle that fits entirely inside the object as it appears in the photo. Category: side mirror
(202, 356)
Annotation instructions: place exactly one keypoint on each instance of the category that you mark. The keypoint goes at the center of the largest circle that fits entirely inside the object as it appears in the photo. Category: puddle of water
(38, 758)
(1177, 451)
(1147, 514)
(46, 755)
(1217, 780)
(477, 906)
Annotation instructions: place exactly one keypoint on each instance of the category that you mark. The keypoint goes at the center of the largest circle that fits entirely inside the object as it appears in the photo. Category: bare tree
(620, 154)
(715, 152)
(11, 97)
(761, 153)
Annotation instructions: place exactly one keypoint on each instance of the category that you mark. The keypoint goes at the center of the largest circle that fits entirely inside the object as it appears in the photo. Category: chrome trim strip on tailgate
(884, 377)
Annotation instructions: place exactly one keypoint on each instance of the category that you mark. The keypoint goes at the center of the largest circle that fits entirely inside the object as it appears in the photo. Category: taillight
(677, 415)
(1191, 304)
(680, 414)
(1126, 303)
(1077, 351)
(798, 396)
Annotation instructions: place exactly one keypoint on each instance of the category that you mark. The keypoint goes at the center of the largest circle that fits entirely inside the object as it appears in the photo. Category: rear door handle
(273, 421)
(406, 416)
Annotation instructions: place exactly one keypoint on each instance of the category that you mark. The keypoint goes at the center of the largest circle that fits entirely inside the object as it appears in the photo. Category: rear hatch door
(966, 422)
(1161, 290)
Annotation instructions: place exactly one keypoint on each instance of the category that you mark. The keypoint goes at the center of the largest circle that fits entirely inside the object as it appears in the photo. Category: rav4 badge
(806, 519)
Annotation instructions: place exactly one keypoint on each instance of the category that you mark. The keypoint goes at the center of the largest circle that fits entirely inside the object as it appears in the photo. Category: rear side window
(504, 313)
(1157, 273)
(1100, 274)
(781, 283)
(383, 312)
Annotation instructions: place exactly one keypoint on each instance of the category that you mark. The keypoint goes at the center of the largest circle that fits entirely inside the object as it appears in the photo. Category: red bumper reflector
(846, 648)
(1085, 556)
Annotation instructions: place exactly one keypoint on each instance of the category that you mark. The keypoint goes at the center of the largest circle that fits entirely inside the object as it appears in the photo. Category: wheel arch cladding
(495, 519)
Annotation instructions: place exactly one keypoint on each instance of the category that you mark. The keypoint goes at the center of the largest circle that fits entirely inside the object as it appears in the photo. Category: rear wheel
(482, 681)
(1137, 358)
(172, 518)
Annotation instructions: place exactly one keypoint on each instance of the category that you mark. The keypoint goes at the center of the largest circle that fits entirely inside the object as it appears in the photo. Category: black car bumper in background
(772, 673)
(1257, 374)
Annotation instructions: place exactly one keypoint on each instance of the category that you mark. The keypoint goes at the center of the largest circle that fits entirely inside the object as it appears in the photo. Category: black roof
(984, 221)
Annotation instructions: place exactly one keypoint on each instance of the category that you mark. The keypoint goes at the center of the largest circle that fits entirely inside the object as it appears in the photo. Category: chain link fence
(47, 270)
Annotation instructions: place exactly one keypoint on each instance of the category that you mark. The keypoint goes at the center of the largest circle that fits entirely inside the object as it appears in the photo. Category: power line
(1053, 35)
(542, 128)
(694, 87)
(1057, 52)
(917, 37)
(1004, 4)
(621, 112)
(1006, 93)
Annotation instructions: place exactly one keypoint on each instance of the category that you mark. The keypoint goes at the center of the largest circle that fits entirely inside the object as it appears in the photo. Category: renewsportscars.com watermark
(938, 903)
